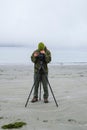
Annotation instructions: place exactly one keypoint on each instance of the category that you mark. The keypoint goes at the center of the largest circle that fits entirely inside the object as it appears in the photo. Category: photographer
(41, 57)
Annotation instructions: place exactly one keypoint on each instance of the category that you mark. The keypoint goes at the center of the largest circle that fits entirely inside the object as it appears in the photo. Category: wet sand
(69, 85)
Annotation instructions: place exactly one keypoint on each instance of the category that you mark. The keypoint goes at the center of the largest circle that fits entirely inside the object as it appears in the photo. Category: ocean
(22, 55)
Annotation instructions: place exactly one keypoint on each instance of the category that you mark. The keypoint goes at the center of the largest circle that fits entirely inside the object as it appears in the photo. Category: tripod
(41, 68)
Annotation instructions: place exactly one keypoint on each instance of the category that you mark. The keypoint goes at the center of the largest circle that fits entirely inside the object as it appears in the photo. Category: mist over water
(22, 55)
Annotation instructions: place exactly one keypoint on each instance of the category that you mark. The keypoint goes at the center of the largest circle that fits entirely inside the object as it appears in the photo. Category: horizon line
(13, 45)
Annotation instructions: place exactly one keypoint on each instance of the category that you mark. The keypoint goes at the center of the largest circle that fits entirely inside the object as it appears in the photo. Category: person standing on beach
(36, 56)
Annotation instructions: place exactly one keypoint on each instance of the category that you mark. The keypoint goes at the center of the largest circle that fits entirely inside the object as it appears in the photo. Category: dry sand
(69, 84)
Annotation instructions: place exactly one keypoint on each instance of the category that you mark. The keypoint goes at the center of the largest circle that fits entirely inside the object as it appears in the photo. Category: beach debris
(13, 125)
(45, 120)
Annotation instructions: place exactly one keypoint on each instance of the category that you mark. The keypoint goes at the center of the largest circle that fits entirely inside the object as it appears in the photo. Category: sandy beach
(69, 84)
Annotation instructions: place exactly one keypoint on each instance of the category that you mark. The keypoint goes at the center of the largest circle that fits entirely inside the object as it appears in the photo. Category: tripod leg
(32, 89)
(51, 90)
(29, 95)
(40, 91)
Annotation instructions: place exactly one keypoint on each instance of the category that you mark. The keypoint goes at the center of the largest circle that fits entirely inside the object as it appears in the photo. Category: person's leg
(45, 87)
(36, 80)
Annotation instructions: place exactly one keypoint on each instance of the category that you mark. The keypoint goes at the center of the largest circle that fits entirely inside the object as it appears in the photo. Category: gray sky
(55, 22)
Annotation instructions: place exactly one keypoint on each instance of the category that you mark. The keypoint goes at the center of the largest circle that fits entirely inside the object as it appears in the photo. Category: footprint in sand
(80, 123)
(72, 120)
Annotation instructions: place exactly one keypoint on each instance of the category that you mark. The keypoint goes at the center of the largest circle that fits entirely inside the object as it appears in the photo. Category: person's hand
(36, 54)
(42, 52)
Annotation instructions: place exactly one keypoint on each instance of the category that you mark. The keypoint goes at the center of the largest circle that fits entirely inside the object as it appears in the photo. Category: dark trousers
(40, 78)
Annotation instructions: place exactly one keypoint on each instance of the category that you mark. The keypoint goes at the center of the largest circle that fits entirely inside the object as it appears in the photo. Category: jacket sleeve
(48, 56)
(33, 59)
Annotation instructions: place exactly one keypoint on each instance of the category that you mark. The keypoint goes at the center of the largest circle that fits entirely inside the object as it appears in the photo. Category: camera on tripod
(41, 57)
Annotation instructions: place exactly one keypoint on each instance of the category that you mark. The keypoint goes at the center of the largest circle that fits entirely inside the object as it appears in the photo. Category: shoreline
(50, 64)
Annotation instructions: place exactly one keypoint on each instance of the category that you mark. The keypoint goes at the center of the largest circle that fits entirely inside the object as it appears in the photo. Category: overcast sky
(55, 22)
